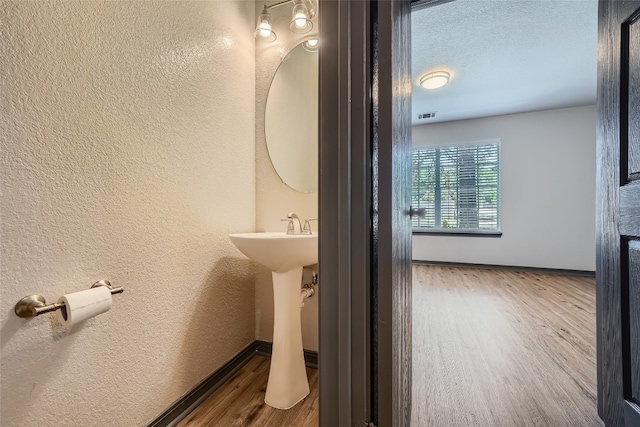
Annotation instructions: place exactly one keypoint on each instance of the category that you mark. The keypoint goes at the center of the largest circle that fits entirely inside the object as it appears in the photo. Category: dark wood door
(618, 213)
(391, 195)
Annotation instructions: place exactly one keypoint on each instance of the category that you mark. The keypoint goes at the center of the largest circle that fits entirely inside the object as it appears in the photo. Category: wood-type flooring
(490, 348)
(503, 348)
(240, 402)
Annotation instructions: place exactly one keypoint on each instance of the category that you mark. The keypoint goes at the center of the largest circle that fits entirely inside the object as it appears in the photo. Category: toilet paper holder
(35, 305)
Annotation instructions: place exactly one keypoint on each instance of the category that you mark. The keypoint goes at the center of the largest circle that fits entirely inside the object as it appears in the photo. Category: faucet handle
(290, 227)
(307, 225)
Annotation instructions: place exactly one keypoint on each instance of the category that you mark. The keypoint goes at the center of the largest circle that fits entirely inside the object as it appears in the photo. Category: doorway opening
(523, 74)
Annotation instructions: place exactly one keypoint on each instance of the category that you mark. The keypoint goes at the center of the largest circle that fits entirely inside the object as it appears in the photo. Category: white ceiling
(504, 56)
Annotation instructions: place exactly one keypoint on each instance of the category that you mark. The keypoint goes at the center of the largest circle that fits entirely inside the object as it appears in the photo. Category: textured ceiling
(504, 56)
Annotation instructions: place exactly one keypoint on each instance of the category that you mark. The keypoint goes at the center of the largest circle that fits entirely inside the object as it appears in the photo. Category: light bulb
(265, 29)
(312, 42)
(300, 19)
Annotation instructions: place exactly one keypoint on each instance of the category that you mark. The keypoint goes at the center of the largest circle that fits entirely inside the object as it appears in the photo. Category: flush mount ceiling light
(434, 80)
(301, 16)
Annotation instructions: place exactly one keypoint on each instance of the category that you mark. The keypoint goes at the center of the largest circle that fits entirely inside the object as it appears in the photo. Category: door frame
(365, 230)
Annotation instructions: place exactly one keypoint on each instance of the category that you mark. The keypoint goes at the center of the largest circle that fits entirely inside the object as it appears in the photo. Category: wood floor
(240, 402)
(502, 348)
(490, 348)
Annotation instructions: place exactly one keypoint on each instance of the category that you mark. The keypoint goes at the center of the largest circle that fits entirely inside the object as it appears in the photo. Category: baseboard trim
(264, 348)
(194, 397)
(584, 273)
(189, 401)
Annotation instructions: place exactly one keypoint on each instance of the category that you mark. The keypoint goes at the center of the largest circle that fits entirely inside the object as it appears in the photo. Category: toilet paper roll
(82, 305)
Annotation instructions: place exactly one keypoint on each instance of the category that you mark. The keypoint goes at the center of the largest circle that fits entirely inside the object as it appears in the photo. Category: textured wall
(274, 199)
(127, 133)
(548, 190)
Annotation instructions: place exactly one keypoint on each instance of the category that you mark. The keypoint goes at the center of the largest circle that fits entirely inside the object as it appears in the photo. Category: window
(459, 187)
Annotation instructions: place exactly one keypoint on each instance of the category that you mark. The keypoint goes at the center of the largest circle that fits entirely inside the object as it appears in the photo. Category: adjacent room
(504, 123)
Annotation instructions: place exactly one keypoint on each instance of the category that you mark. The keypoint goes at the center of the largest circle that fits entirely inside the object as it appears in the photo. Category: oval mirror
(291, 119)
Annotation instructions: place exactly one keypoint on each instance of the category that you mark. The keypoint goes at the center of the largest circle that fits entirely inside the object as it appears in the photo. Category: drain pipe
(306, 292)
(308, 289)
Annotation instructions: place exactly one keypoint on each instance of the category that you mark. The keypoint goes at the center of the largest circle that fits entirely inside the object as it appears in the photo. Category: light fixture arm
(311, 6)
(280, 3)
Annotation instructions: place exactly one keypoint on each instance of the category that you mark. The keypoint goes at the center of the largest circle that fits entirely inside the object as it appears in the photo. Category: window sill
(461, 233)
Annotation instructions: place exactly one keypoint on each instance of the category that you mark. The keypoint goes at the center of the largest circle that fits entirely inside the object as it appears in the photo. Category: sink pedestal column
(288, 382)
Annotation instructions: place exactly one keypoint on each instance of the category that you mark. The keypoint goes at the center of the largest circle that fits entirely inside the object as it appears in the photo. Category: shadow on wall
(226, 305)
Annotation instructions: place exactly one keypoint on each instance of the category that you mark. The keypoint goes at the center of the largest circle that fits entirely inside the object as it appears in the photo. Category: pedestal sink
(285, 255)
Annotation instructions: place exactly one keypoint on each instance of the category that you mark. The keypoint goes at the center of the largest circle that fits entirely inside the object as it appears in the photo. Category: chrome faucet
(307, 226)
(291, 228)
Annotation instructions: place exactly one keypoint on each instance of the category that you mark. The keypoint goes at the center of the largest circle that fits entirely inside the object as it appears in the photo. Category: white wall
(274, 199)
(548, 190)
(127, 133)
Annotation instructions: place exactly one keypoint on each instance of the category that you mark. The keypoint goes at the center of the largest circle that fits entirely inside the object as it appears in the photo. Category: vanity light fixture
(434, 80)
(301, 15)
(263, 27)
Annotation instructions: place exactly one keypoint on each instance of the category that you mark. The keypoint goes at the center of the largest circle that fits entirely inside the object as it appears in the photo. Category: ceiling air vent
(426, 115)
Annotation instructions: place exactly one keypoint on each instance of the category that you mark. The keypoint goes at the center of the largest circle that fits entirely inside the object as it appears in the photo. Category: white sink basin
(278, 251)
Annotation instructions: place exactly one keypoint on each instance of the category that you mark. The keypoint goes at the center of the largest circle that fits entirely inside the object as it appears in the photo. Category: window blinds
(459, 187)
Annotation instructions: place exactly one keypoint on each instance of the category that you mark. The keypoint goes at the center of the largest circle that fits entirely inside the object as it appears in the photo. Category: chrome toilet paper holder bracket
(35, 305)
